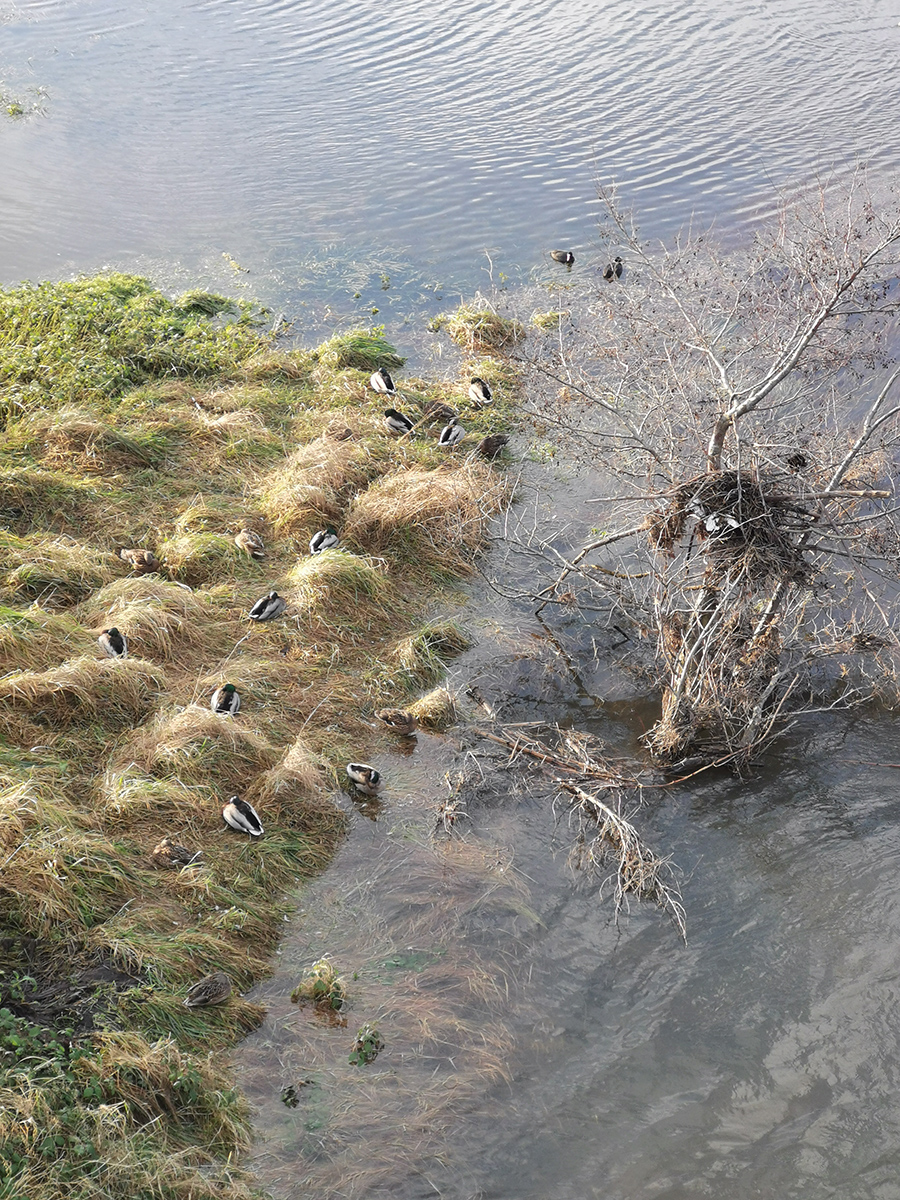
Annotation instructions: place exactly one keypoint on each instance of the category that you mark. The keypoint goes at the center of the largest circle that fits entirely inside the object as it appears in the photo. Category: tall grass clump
(342, 590)
(113, 691)
(437, 517)
(91, 339)
(56, 569)
(159, 618)
(364, 349)
(312, 483)
(480, 330)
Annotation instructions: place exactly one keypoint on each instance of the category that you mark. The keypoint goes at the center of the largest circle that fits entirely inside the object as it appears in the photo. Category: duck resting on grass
(323, 540)
(251, 543)
(451, 435)
(490, 446)
(380, 381)
(397, 720)
(479, 392)
(437, 410)
(226, 700)
(172, 856)
(364, 778)
(268, 607)
(142, 562)
(242, 816)
(214, 989)
(113, 644)
(397, 422)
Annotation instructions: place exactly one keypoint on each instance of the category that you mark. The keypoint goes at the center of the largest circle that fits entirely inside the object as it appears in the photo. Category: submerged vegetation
(133, 421)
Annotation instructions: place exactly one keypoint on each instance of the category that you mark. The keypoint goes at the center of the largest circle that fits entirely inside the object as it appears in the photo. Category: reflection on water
(323, 146)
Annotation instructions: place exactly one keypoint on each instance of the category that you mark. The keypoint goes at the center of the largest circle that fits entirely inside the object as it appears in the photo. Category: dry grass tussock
(55, 569)
(440, 516)
(114, 691)
(200, 558)
(297, 790)
(29, 495)
(126, 794)
(340, 589)
(159, 619)
(423, 654)
(199, 746)
(435, 710)
(310, 486)
(78, 439)
(33, 638)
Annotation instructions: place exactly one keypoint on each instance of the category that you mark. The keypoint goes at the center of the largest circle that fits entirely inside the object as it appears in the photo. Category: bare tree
(745, 406)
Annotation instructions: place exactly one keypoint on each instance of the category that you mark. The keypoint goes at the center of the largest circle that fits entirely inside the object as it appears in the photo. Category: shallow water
(337, 159)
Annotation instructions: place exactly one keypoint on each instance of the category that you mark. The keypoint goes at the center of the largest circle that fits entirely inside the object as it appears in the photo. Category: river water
(355, 161)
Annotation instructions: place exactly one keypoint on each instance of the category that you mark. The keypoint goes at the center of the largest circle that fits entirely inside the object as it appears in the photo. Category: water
(337, 159)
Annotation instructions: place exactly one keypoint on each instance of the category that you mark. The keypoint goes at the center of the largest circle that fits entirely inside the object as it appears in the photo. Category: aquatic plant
(322, 986)
(367, 1047)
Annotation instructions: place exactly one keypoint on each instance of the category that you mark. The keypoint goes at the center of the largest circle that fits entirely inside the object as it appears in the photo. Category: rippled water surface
(337, 159)
(324, 145)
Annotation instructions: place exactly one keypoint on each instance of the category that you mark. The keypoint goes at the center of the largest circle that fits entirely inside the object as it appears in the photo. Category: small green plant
(322, 985)
(368, 1045)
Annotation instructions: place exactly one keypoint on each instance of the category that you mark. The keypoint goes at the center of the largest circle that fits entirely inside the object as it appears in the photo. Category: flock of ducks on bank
(239, 814)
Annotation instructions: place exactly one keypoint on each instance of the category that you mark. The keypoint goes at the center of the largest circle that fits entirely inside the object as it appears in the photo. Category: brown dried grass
(115, 691)
(76, 439)
(157, 617)
(311, 484)
(437, 516)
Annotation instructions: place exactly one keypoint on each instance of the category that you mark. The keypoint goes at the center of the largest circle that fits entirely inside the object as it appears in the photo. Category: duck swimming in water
(364, 778)
(566, 257)
(613, 270)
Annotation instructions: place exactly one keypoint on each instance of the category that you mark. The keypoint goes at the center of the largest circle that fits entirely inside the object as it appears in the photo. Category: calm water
(335, 159)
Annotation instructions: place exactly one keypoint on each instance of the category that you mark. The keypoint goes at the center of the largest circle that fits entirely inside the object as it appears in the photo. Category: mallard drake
(613, 270)
(214, 989)
(242, 816)
(452, 434)
(364, 777)
(251, 543)
(172, 856)
(397, 422)
(226, 700)
(397, 720)
(479, 392)
(268, 607)
(380, 381)
(113, 644)
(566, 257)
(142, 562)
(325, 539)
(490, 446)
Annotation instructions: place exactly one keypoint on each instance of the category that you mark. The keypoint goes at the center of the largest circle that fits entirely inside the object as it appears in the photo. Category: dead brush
(50, 567)
(198, 746)
(157, 617)
(438, 517)
(116, 692)
(312, 484)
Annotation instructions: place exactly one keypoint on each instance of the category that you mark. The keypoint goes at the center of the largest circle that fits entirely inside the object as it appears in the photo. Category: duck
(172, 856)
(563, 256)
(338, 432)
(113, 644)
(325, 539)
(452, 434)
(437, 410)
(397, 720)
(397, 422)
(226, 700)
(242, 816)
(490, 446)
(613, 270)
(479, 391)
(142, 562)
(268, 607)
(212, 989)
(251, 543)
(364, 778)
(380, 381)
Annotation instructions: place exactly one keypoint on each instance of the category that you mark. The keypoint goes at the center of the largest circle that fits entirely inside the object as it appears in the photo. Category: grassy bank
(134, 421)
